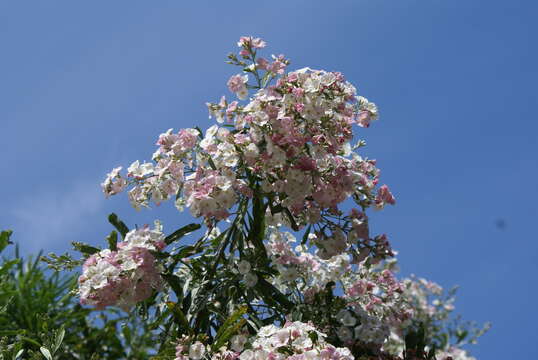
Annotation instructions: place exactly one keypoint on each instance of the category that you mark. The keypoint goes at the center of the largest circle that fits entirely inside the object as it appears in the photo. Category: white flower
(196, 351)
(327, 79)
(250, 279)
(247, 355)
(238, 342)
(139, 171)
(244, 267)
(289, 274)
(312, 84)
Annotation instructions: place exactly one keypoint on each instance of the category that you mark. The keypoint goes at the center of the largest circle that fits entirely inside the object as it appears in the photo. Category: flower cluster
(454, 353)
(431, 307)
(187, 349)
(290, 144)
(296, 135)
(114, 183)
(249, 277)
(295, 340)
(280, 155)
(373, 296)
(359, 326)
(298, 264)
(123, 277)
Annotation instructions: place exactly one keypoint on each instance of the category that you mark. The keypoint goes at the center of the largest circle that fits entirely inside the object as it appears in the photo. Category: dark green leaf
(118, 224)
(4, 239)
(84, 248)
(112, 240)
(306, 233)
(59, 338)
(230, 326)
(292, 220)
(179, 316)
(8, 264)
(200, 132)
(178, 234)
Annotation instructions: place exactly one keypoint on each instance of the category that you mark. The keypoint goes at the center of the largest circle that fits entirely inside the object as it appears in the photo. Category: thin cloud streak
(49, 219)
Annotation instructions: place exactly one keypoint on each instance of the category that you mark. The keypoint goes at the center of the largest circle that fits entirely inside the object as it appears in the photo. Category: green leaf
(154, 325)
(211, 163)
(112, 240)
(257, 226)
(306, 233)
(272, 294)
(4, 239)
(233, 324)
(8, 264)
(45, 352)
(179, 316)
(178, 234)
(461, 334)
(175, 283)
(126, 331)
(285, 350)
(118, 224)
(275, 209)
(292, 220)
(200, 132)
(313, 336)
(61, 262)
(19, 354)
(185, 251)
(59, 338)
(84, 248)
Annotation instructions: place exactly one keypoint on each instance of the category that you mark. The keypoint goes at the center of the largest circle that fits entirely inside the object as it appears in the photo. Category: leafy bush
(40, 314)
(279, 268)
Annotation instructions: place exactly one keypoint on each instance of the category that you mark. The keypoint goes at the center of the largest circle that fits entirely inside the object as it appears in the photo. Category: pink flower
(306, 164)
(262, 63)
(238, 85)
(297, 92)
(278, 65)
(113, 183)
(299, 107)
(363, 119)
(187, 138)
(246, 41)
(230, 109)
(384, 196)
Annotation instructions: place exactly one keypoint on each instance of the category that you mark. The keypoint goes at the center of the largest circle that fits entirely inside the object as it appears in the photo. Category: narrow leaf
(112, 240)
(4, 239)
(179, 316)
(229, 327)
(292, 220)
(84, 248)
(59, 338)
(118, 224)
(19, 354)
(306, 233)
(178, 234)
(45, 352)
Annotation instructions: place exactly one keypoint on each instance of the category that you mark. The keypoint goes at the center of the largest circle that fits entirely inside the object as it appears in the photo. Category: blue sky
(86, 86)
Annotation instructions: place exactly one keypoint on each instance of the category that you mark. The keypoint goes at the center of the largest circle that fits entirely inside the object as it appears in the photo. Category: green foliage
(118, 224)
(178, 234)
(40, 317)
(206, 298)
(230, 327)
(416, 344)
